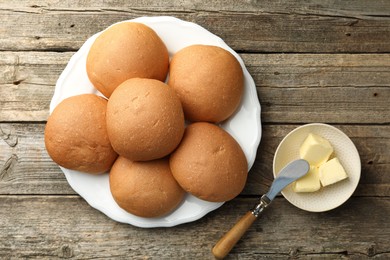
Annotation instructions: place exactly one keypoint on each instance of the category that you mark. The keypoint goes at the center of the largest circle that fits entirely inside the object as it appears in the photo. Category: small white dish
(244, 125)
(331, 196)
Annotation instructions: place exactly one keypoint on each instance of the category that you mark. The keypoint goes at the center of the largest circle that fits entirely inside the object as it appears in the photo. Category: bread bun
(145, 119)
(76, 135)
(145, 189)
(126, 50)
(209, 81)
(209, 163)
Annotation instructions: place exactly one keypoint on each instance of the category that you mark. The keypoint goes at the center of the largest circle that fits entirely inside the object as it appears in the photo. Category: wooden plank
(321, 7)
(253, 26)
(343, 88)
(26, 168)
(47, 227)
(322, 88)
(27, 84)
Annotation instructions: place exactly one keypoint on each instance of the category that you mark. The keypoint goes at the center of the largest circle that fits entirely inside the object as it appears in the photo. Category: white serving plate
(331, 196)
(244, 125)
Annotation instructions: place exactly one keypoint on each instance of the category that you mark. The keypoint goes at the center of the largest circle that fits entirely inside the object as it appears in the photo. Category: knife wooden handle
(229, 240)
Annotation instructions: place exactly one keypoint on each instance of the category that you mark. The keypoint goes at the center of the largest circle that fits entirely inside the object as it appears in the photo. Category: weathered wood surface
(26, 167)
(312, 61)
(48, 227)
(250, 26)
(292, 88)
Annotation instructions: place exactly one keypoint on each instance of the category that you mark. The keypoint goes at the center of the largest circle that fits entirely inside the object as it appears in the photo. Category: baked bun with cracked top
(145, 120)
(209, 81)
(209, 163)
(76, 135)
(145, 189)
(123, 51)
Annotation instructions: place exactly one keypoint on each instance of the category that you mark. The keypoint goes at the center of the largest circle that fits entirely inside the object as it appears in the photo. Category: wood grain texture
(48, 227)
(27, 83)
(312, 61)
(333, 88)
(26, 167)
(342, 88)
(254, 26)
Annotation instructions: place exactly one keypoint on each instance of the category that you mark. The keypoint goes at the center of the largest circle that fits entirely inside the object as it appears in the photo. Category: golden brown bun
(209, 163)
(145, 189)
(209, 81)
(123, 51)
(145, 119)
(76, 135)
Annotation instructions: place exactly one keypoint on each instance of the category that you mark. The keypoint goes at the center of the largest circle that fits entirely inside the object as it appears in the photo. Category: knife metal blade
(290, 173)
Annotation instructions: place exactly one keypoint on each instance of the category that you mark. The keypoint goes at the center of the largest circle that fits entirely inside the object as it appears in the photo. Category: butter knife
(293, 171)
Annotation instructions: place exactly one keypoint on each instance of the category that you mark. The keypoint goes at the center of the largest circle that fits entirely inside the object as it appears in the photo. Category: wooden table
(323, 61)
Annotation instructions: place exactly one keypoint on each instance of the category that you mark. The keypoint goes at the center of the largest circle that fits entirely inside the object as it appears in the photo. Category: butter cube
(331, 172)
(315, 149)
(308, 183)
